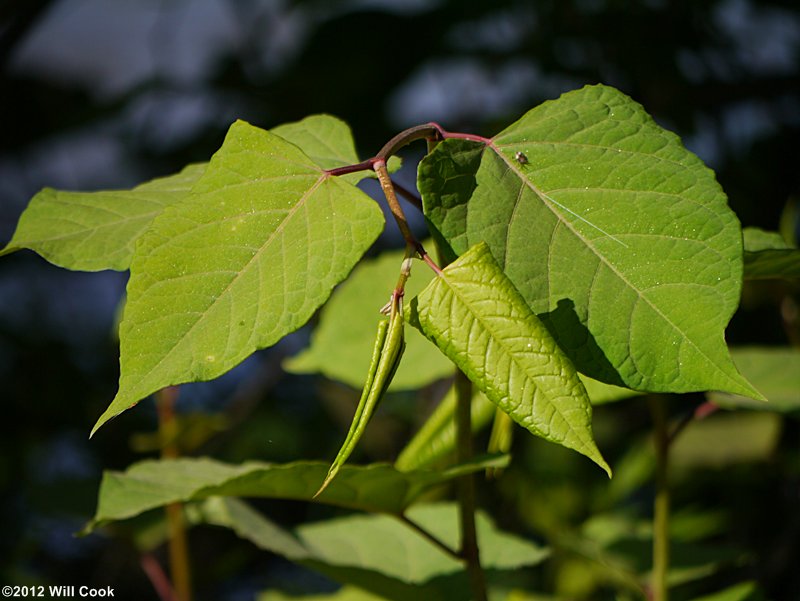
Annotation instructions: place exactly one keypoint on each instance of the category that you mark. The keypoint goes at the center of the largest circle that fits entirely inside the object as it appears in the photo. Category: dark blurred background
(97, 94)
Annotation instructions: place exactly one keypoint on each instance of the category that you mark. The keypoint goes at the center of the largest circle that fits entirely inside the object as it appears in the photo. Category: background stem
(658, 411)
(178, 547)
(466, 488)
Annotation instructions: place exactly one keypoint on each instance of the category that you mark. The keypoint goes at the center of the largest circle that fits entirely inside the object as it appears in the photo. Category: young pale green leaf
(776, 373)
(767, 255)
(619, 238)
(242, 261)
(436, 439)
(476, 317)
(340, 343)
(92, 231)
(150, 484)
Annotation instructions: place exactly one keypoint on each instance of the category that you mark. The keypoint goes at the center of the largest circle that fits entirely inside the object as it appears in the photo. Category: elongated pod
(386, 354)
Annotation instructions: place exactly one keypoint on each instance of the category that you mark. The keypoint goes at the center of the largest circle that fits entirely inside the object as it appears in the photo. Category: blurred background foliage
(97, 94)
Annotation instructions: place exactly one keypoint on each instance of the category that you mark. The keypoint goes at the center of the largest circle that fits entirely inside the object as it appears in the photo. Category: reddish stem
(429, 131)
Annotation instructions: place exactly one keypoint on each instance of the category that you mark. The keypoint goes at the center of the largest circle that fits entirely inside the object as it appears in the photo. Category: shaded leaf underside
(150, 484)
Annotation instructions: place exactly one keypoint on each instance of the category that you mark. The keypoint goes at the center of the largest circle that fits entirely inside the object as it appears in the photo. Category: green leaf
(326, 140)
(726, 439)
(385, 556)
(744, 591)
(623, 545)
(436, 439)
(776, 373)
(619, 238)
(152, 483)
(92, 231)
(473, 313)
(601, 393)
(346, 593)
(250, 525)
(767, 255)
(245, 259)
(340, 347)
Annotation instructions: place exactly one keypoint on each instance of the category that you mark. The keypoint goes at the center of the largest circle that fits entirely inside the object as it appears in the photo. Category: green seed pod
(386, 355)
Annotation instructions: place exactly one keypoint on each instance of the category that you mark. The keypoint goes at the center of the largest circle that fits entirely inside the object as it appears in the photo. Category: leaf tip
(107, 415)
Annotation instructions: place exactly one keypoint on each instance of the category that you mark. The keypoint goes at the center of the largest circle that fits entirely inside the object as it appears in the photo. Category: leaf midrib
(267, 243)
(514, 360)
(539, 194)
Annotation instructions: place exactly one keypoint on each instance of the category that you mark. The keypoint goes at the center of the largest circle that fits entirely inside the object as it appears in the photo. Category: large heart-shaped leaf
(473, 313)
(242, 261)
(92, 231)
(619, 238)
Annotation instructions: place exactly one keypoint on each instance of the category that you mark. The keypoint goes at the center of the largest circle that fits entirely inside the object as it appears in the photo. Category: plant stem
(394, 204)
(466, 488)
(431, 537)
(408, 195)
(388, 188)
(178, 547)
(658, 411)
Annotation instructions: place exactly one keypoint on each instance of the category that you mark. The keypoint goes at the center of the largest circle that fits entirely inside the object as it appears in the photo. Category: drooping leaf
(150, 484)
(473, 313)
(767, 255)
(385, 556)
(242, 261)
(619, 238)
(436, 439)
(92, 231)
(340, 347)
(775, 371)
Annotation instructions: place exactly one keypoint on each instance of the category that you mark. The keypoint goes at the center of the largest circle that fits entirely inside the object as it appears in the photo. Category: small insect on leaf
(521, 158)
